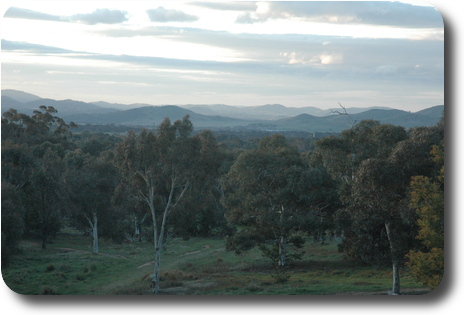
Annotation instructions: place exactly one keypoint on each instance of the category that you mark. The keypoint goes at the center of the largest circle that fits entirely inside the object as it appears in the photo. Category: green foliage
(372, 164)
(271, 194)
(427, 198)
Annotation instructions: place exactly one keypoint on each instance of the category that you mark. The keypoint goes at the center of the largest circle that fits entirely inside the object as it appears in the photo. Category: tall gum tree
(427, 198)
(159, 168)
(371, 186)
(90, 183)
(374, 171)
(272, 195)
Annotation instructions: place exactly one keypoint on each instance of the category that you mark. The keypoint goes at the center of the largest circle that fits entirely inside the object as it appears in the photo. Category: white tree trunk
(395, 262)
(95, 233)
(282, 252)
(282, 242)
(94, 226)
(158, 237)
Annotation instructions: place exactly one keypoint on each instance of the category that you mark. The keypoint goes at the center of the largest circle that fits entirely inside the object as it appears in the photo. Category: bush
(281, 277)
(49, 290)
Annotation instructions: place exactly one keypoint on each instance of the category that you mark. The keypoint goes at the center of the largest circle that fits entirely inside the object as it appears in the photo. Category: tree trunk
(157, 272)
(395, 261)
(95, 232)
(282, 242)
(44, 221)
(44, 239)
(282, 252)
(158, 238)
(94, 226)
(137, 229)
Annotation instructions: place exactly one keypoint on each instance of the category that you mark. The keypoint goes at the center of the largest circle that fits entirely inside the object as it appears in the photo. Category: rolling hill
(271, 117)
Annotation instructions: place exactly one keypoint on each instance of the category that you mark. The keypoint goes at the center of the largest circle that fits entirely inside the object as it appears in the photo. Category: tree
(427, 198)
(273, 196)
(90, 184)
(32, 152)
(377, 190)
(373, 164)
(12, 221)
(44, 194)
(41, 126)
(159, 169)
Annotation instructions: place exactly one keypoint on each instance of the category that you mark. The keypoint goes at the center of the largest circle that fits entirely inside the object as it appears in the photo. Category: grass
(198, 266)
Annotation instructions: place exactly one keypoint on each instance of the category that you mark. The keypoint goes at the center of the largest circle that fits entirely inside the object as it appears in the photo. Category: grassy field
(197, 266)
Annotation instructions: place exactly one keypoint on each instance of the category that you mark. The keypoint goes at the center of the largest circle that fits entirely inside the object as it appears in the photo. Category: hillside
(150, 116)
(337, 123)
(20, 96)
(270, 117)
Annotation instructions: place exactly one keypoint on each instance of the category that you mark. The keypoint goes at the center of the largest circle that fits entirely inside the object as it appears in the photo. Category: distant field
(199, 266)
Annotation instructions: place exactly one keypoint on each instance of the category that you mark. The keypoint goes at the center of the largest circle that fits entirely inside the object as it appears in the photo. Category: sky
(359, 54)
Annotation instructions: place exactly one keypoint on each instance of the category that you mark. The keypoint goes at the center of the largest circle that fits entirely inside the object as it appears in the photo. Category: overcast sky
(237, 53)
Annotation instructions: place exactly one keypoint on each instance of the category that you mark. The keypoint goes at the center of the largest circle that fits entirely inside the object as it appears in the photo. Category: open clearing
(198, 266)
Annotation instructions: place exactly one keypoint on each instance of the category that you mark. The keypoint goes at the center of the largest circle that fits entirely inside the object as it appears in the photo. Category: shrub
(49, 290)
(281, 277)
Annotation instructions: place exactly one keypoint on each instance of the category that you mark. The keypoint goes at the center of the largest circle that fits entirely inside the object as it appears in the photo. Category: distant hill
(150, 116)
(435, 111)
(268, 111)
(65, 107)
(338, 123)
(20, 96)
(8, 102)
(270, 117)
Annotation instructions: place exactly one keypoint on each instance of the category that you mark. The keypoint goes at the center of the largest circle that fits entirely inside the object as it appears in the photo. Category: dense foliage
(377, 188)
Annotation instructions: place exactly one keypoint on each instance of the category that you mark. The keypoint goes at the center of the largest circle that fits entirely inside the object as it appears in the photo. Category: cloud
(163, 15)
(347, 12)
(101, 16)
(20, 13)
(386, 69)
(41, 49)
(228, 6)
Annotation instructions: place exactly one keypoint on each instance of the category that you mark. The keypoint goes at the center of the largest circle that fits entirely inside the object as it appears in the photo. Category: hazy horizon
(298, 54)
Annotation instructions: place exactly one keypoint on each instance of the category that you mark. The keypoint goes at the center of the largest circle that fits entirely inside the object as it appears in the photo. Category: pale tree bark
(395, 260)
(159, 237)
(138, 228)
(282, 243)
(282, 251)
(94, 225)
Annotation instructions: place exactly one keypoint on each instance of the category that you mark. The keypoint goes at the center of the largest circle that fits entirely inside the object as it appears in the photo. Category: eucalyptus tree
(427, 199)
(159, 168)
(32, 151)
(90, 184)
(374, 165)
(44, 196)
(273, 196)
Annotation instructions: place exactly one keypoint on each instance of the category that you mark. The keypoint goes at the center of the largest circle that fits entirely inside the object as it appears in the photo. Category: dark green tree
(159, 168)
(373, 164)
(427, 198)
(90, 184)
(273, 197)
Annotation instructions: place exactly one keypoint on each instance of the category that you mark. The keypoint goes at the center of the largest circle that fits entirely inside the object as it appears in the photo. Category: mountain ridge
(270, 117)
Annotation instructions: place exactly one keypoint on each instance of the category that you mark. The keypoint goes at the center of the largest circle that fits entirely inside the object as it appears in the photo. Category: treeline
(377, 188)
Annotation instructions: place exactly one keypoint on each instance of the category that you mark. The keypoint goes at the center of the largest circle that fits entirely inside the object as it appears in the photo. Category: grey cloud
(353, 12)
(228, 6)
(248, 18)
(14, 12)
(355, 56)
(163, 15)
(41, 49)
(101, 16)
